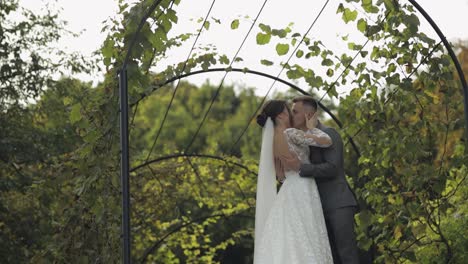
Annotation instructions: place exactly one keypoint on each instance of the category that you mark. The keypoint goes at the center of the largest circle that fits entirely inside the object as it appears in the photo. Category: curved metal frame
(452, 55)
(123, 88)
(293, 86)
(180, 155)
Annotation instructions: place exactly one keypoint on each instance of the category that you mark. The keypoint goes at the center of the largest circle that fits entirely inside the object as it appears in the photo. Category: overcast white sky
(87, 16)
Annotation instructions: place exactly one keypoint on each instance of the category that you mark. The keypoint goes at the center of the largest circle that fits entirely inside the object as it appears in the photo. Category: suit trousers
(340, 227)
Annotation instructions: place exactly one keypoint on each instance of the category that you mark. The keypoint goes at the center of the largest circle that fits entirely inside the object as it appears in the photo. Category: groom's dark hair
(307, 100)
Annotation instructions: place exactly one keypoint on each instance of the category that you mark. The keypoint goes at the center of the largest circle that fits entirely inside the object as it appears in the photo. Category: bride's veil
(266, 183)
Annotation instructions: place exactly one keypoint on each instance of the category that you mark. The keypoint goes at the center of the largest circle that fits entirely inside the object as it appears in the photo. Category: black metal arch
(124, 134)
(183, 155)
(452, 55)
(266, 75)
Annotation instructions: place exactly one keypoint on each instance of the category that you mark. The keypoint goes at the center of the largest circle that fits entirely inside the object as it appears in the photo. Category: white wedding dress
(294, 230)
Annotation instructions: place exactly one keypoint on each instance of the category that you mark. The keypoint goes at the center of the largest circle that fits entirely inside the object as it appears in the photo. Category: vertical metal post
(124, 150)
(124, 164)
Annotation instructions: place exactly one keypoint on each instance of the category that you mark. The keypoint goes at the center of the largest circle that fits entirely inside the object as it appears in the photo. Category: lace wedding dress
(295, 231)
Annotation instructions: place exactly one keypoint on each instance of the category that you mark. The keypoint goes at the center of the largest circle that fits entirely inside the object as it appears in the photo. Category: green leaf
(389, 5)
(293, 42)
(362, 25)
(263, 39)
(279, 32)
(375, 53)
(369, 7)
(75, 113)
(108, 48)
(333, 92)
(206, 25)
(353, 46)
(167, 25)
(282, 49)
(293, 74)
(366, 3)
(358, 114)
(235, 24)
(92, 136)
(340, 8)
(330, 72)
(115, 180)
(295, 35)
(171, 14)
(349, 15)
(266, 62)
(224, 59)
(327, 62)
(391, 68)
(365, 218)
(412, 22)
(299, 53)
(372, 30)
(265, 28)
(67, 100)
(397, 232)
(315, 50)
(345, 59)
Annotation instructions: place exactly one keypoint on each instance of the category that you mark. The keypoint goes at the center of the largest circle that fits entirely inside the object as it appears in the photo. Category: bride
(289, 225)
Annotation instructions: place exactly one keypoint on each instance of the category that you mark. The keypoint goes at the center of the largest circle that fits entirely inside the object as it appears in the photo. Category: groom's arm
(332, 159)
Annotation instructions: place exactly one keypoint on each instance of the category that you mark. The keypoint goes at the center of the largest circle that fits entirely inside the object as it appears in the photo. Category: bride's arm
(321, 138)
(284, 159)
(314, 137)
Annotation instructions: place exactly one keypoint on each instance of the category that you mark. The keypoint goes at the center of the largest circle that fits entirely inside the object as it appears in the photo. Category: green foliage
(186, 113)
(362, 25)
(266, 62)
(282, 49)
(27, 53)
(235, 24)
(60, 188)
(412, 161)
(348, 14)
(263, 39)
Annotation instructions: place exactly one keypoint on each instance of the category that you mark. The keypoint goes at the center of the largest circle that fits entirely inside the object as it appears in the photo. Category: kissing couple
(311, 218)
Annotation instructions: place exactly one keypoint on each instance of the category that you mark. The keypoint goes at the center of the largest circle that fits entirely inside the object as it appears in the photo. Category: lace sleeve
(314, 137)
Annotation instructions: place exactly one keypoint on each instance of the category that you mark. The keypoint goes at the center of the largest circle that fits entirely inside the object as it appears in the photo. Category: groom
(338, 202)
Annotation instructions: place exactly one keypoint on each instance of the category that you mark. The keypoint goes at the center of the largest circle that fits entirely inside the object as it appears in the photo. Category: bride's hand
(290, 163)
(312, 122)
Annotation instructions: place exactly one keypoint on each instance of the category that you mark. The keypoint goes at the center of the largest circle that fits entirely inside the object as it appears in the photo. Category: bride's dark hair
(272, 109)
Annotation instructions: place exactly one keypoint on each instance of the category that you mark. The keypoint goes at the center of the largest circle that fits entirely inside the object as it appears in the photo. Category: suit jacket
(328, 170)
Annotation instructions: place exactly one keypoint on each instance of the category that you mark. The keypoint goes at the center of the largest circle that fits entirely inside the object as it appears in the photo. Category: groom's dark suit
(338, 201)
